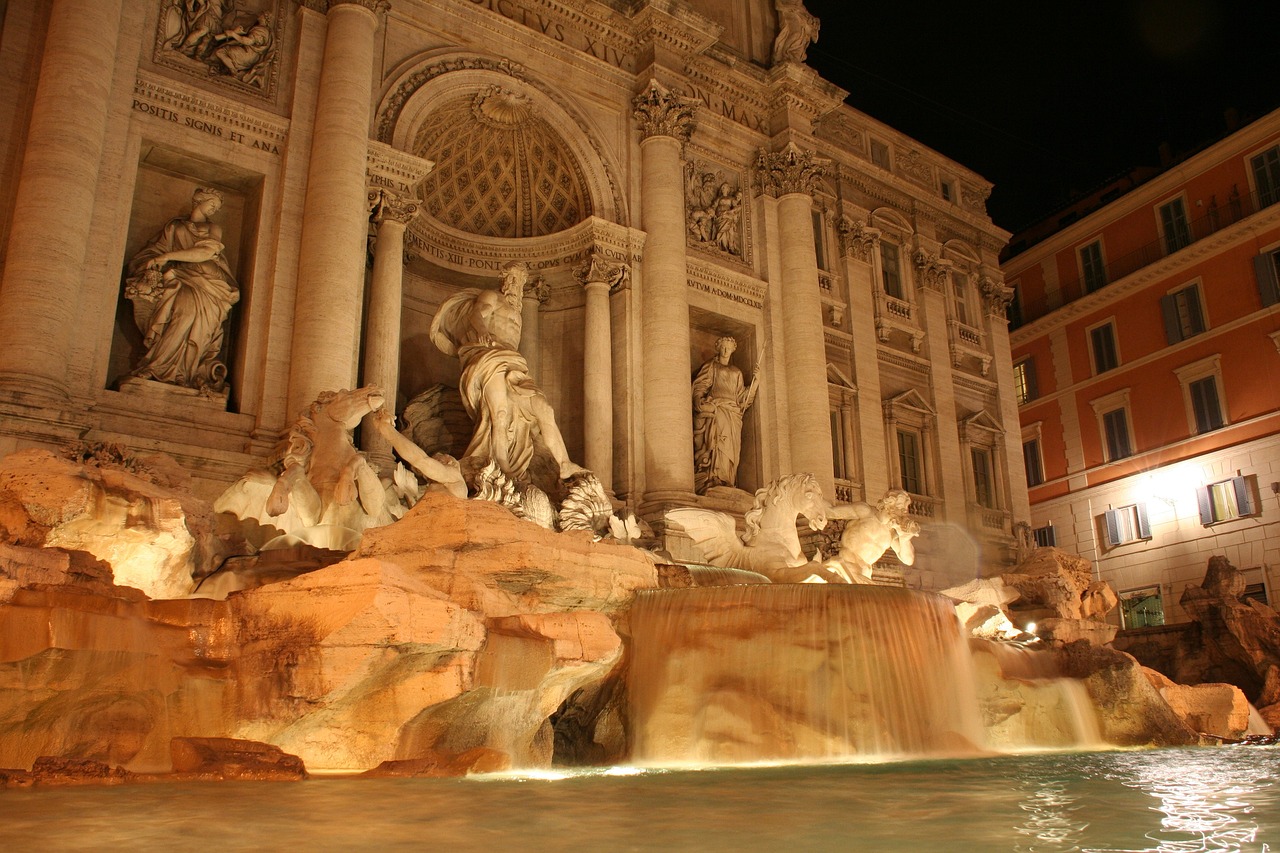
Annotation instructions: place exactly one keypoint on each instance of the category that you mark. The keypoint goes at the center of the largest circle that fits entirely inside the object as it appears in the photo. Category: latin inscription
(554, 29)
(207, 127)
(729, 110)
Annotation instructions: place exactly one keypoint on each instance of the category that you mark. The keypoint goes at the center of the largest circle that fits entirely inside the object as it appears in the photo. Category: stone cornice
(803, 89)
(395, 170)
(677, 27)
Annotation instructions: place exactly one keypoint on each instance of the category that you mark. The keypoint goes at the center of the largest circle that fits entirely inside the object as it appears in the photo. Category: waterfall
(794, 672)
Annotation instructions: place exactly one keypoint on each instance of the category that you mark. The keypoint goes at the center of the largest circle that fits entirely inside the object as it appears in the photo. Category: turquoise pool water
(1158, 800)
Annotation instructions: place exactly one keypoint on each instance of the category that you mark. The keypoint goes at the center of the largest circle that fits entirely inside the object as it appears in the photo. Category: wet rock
(1217, 710)
(1055, 580)
(1064, 631)
(487, 560)
(476, 760)
(1131, 712)
(220, 758)
(52, 771)
(11, 778)
(1235, 641)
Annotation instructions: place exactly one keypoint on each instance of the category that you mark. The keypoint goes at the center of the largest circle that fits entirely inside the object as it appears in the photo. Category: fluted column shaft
(382, 325)
(666, 121)
(536, 293)
(809, 412)
(598, 275)
(55, 199)
(335, 221)
(791, 174)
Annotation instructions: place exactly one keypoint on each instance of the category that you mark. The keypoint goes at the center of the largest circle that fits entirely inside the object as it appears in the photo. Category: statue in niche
(182, 291)
(482, 328)
(244, 50)
(720, 399)
(714, 211)
(797, 29)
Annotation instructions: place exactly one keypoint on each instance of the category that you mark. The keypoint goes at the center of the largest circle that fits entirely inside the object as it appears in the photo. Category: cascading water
(787, 672)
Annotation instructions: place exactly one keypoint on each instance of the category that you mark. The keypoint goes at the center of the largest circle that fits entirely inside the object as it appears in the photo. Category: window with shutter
(1102, 340)
(1183, 314)
(1227, 500)
(1265, 268)
(1266, 176)
(1173, 222)
(1126, 524)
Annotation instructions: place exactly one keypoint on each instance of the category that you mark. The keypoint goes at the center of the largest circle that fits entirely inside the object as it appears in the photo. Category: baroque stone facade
(669, 176)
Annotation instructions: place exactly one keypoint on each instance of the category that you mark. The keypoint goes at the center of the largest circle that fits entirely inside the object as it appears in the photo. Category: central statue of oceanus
(482, 329)
(771, 545)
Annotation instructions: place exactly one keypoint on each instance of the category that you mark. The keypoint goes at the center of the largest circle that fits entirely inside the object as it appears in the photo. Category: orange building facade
(1146, 349)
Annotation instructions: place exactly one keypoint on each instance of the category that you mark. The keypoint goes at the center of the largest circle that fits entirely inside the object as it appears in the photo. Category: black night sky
(1049, 98)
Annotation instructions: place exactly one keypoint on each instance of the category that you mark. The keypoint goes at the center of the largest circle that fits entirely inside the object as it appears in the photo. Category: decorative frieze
(915, 168)
(717, 281)
(791, 170)
(392, 169)
(661, 112)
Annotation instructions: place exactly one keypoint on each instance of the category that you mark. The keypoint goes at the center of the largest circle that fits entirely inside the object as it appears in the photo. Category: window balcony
(897, 316)
(967, 343)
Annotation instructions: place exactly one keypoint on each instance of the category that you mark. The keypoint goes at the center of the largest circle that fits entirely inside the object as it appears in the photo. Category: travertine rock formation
(459, 628)
(1053, 583)
(136, 515)
(1233, 640)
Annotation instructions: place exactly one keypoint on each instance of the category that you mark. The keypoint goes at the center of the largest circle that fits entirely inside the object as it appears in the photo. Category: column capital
(857, 239)
(599, 269)
(996, 295)
(791, 170)
(385, 206)
(661, 112)
(537, 289)
(932, 269)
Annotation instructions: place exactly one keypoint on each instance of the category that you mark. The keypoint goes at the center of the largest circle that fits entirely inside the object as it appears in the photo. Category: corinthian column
(666, 121)
(790, 175)
(382, 327)
(536, 294)
(335, 217)
(54, 203)
(598, 275)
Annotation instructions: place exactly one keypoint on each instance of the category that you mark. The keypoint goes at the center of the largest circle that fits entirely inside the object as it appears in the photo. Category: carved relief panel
(715, 217)
(234, 43)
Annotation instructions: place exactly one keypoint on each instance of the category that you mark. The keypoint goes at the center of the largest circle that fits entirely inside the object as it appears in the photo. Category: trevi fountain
(540, 424)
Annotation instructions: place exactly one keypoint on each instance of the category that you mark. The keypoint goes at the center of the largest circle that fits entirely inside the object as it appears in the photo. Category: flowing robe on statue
(485, 360)
(183, 332)
(720, 400)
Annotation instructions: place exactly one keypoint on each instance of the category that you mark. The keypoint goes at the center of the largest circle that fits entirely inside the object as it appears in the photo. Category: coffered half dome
(501, 168)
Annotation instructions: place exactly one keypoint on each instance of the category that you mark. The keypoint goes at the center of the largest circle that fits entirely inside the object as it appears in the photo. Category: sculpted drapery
(720, 399)
(183, 289)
